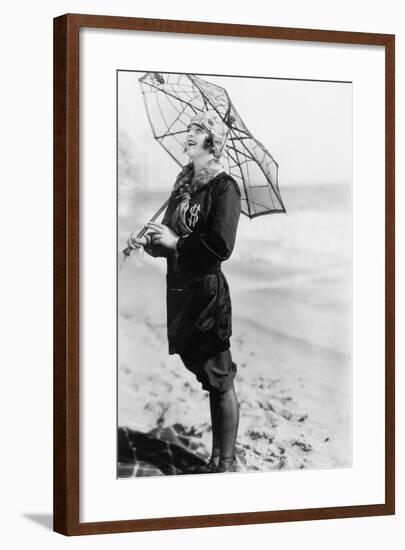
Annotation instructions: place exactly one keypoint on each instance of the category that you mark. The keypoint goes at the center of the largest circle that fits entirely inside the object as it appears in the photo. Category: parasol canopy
(171, 100)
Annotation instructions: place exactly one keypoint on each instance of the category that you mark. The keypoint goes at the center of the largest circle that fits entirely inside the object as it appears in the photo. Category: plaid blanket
(162, 451)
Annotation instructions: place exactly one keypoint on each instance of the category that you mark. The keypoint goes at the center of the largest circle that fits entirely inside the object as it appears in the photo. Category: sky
(306, 126)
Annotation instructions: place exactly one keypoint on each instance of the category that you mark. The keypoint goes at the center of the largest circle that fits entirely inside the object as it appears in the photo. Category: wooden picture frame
(67, 283)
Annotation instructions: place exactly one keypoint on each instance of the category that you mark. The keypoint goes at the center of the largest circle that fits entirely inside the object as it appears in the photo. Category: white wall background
(26, 274)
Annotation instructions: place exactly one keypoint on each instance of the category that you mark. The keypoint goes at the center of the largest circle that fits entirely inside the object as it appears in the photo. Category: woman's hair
(209, 144)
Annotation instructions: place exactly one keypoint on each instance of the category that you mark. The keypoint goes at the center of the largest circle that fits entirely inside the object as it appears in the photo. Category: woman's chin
(197, 155)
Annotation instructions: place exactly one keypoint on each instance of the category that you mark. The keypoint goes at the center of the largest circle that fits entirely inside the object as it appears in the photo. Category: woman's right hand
(147, 241)
(137, 242)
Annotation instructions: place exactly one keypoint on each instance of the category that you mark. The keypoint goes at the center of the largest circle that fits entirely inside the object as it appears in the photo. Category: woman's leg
(216, 442)
(225, 420)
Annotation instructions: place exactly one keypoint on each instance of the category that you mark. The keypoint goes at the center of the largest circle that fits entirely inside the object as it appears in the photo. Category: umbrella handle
(127, 251)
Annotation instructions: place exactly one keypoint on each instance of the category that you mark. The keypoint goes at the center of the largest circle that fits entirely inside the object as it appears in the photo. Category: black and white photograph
(234, 274)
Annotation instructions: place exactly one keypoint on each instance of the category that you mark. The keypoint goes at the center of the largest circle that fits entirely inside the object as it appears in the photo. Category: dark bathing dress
(199, 312)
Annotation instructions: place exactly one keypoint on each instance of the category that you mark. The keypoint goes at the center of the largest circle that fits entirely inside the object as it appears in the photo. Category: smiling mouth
(191, 143)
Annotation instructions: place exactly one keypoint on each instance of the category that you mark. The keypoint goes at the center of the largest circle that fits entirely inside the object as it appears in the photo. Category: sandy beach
(290, 285)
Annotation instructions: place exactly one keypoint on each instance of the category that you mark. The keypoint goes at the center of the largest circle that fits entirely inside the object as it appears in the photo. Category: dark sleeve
(218, 241)
(157, 250)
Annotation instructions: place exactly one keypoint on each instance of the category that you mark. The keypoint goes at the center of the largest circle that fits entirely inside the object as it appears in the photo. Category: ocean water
(293, 272)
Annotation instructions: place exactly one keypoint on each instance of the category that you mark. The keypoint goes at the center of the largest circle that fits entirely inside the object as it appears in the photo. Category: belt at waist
(187, 282)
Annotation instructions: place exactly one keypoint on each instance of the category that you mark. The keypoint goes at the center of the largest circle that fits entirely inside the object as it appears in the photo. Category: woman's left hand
(161, 234)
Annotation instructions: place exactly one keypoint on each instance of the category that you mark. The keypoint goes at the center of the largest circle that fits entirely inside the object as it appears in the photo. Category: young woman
(196, 235)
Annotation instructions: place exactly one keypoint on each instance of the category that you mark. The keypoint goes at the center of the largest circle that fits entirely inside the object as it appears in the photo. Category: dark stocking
(216, 443)
(225, 421)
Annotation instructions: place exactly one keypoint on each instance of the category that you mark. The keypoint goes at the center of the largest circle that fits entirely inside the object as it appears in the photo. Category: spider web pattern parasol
(171, 100)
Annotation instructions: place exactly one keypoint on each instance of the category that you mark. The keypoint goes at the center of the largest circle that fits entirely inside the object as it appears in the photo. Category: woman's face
(195, 139)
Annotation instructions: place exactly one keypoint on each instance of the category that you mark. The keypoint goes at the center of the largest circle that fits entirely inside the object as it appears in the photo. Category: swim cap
(213, 124)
